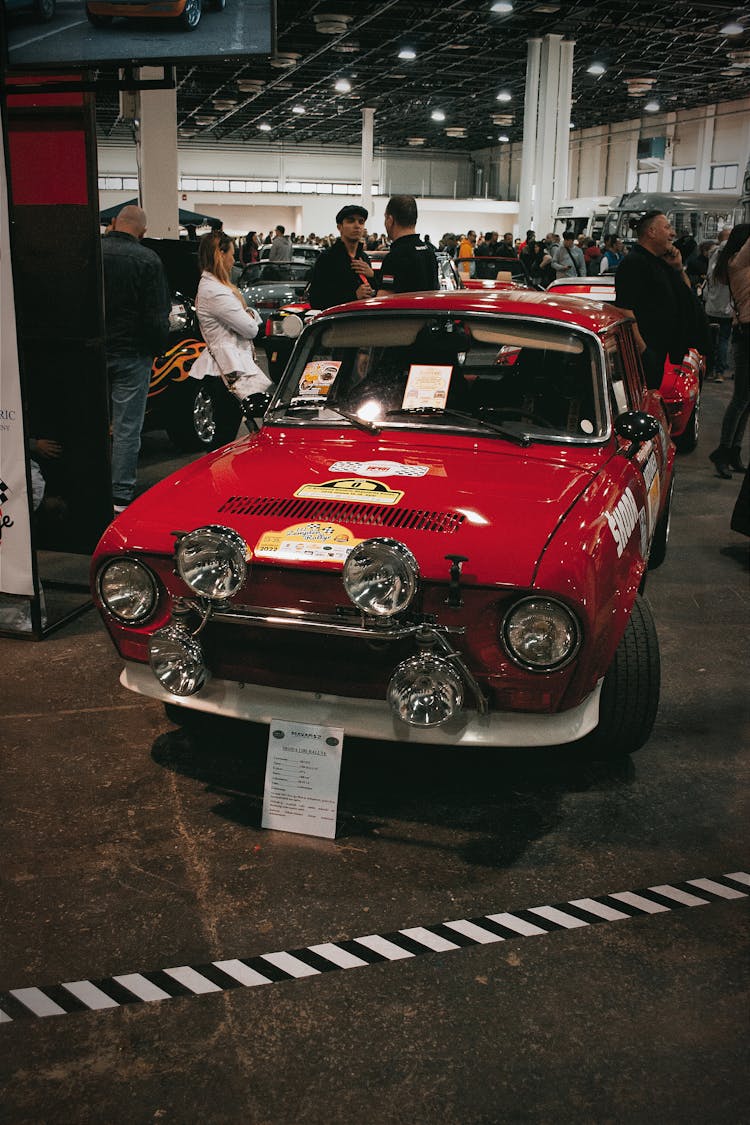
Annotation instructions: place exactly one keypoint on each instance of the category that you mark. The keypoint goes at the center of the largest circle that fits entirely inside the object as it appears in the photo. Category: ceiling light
(502, 6)
(572, 125)
(343, 85)
(250, 85)
(596, 68)
(652, 107)
(415, 141)
(546, 9)
(329, 23)
(264, 127)
(300, 109)
(437, 115)
(502, 119)
(637, 87)
(503, 138)
(732, 28)
(504, 96)
(205, 119)
(455, 131)
(284, 59)
(350, 47)
(224, 104)
(407, 53)
(739, 58)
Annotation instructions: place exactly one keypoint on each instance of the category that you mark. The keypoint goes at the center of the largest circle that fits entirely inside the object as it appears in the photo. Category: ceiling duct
(250, 85)
(284, 59)
(330, 23)
(638, 87)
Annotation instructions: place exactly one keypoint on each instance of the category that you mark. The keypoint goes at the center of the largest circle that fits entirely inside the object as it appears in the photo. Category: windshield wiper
(322, 404)
(518, 439)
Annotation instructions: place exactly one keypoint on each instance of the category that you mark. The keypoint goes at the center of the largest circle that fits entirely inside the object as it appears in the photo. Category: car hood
(321, 492)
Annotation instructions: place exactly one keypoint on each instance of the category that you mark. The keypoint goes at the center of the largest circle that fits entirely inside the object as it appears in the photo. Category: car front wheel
(205, 416)
(191, 15)
(661, 534)
(630, 692)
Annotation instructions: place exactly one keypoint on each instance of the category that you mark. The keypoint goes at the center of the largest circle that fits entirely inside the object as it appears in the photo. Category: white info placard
(303, 766)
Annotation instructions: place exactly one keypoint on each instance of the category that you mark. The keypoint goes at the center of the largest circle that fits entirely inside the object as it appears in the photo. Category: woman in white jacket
(228, 325)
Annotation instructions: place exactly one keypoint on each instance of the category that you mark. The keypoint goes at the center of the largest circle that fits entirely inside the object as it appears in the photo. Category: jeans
(720, 363)
(129, 377)
(736, 414)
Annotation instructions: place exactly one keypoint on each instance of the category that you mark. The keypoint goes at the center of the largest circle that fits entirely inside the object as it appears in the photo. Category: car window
(622, 395)
(262, 273)
(528, 377)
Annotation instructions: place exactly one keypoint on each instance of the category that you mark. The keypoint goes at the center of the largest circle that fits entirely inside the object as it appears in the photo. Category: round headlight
(128, 590)
(211, 560)
(541, 634)
(177, 660)
(381, 577)
(425, 691)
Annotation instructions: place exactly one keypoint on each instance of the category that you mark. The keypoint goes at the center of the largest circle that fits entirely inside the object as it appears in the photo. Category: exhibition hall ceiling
(468, 65)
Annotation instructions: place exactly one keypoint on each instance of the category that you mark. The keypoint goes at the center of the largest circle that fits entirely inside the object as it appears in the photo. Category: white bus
(703, 216)
(584, 216)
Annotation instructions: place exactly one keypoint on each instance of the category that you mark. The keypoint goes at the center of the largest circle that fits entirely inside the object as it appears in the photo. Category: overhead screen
(80, 35)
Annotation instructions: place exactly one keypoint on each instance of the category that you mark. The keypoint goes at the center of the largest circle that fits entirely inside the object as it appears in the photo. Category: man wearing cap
(343, 271)
(410, 265)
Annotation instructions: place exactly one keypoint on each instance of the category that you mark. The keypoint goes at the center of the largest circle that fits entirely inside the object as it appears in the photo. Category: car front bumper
(371, 718)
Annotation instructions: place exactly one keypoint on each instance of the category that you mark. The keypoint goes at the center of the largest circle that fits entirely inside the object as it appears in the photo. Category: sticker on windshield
(307, 542)
(317, 377)
(379, 469)
(427, 387)
(357, 489)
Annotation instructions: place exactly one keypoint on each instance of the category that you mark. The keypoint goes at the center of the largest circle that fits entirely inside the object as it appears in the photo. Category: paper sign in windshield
(317, 377)
(427, 387)
(307, 542)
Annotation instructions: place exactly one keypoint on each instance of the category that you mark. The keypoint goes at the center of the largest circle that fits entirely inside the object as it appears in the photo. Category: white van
(583, 216)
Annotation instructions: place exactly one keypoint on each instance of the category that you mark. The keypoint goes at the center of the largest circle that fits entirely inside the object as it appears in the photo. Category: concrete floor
(129, 847)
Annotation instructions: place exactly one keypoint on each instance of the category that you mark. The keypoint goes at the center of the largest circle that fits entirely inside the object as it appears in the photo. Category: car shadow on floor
(488, 804)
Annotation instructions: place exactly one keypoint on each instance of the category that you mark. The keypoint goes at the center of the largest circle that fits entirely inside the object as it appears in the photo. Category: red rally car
(441, 534)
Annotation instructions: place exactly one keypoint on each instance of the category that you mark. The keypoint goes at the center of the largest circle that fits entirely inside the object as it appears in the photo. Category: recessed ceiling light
(407, 53)
(652, 107)
(343, 85)
(264, 127)
(437, 115)
(504, 96)
(300, 109)
(414, 141)
(503, 138)
(596, 68)
(732, 28)
(455, 131)
(502, 6)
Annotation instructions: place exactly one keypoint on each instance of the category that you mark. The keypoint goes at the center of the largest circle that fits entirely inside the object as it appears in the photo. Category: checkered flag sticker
(3, 493)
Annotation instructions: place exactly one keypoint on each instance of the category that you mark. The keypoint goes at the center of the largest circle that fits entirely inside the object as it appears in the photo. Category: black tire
(688, 439)
(203, 416)
(661, 534)
(191, 17)
(97, 21)
(45, 9)
(220, 5)
(630, 692)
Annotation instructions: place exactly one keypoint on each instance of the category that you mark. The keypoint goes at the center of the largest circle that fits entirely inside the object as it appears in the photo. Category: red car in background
(186, 13)
(681, 383)
(441, 534)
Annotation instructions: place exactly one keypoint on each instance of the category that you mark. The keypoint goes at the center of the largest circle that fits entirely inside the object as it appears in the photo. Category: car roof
(572, 311)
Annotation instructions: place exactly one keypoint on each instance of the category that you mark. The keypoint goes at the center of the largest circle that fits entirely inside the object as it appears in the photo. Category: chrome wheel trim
(204, 416)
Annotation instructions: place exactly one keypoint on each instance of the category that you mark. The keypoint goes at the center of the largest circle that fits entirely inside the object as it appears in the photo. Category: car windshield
(517, 378)
(267, 273)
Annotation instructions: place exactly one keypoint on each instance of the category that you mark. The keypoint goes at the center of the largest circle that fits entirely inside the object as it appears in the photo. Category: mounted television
(66, 35)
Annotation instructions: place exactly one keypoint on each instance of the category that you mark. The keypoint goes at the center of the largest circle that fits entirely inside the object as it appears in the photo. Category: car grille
(380, 515)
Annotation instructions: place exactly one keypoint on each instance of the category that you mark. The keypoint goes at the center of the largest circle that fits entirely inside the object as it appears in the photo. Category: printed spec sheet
(302, 778)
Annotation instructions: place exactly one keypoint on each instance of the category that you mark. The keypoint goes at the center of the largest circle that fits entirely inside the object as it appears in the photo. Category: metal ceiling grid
(465, 55)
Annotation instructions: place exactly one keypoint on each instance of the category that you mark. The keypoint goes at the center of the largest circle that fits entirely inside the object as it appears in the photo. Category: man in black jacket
(410, 266)
(343, 272)
(136, 319)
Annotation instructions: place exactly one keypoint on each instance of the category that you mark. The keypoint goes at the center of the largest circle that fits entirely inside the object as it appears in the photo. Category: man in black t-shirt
(410, 265)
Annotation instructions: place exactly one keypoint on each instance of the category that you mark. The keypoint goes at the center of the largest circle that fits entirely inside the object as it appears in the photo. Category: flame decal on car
(173, 366)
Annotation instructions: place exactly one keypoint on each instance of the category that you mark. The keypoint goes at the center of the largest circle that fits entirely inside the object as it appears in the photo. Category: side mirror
(292, 326)
(637, 427)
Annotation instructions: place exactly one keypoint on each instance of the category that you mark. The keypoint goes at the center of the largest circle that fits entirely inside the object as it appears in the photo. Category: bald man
(136, 319)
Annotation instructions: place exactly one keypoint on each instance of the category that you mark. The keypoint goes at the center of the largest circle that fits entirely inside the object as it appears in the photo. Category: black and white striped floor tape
(268, 968)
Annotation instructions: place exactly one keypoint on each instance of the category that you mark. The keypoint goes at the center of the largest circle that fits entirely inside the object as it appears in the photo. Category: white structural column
(158, 168)
(546, 132)
(705, 149)
(368, 134)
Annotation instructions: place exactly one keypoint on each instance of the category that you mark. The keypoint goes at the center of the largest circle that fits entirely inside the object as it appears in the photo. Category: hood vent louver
(331, 511)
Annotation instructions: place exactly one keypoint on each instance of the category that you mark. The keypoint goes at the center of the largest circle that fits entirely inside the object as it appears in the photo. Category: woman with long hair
(250, 249)
(227, 324)
(732, 268)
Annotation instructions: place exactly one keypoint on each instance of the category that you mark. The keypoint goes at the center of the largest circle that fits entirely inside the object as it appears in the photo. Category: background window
(648, 181)
(724, 175)
(683, 179)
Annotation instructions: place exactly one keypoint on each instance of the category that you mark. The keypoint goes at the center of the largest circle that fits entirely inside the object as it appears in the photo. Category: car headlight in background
(212, 561)
(128, 590)
(381, 577)
(425, 691)
(541, 634)
(177, 661)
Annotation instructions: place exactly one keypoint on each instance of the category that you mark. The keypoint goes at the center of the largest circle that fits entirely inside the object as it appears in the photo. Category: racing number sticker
(359, 489)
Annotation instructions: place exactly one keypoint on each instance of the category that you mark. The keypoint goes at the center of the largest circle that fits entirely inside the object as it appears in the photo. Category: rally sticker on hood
(379, 469)
(359, 489)
(307, 542)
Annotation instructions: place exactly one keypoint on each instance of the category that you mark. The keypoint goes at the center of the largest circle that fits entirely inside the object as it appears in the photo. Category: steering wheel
(519, 412)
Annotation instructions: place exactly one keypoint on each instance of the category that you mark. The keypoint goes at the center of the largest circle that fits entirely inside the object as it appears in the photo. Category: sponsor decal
(307, 542)
(653, 489)
(623, 521)
(379, 469)
(361, 490)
